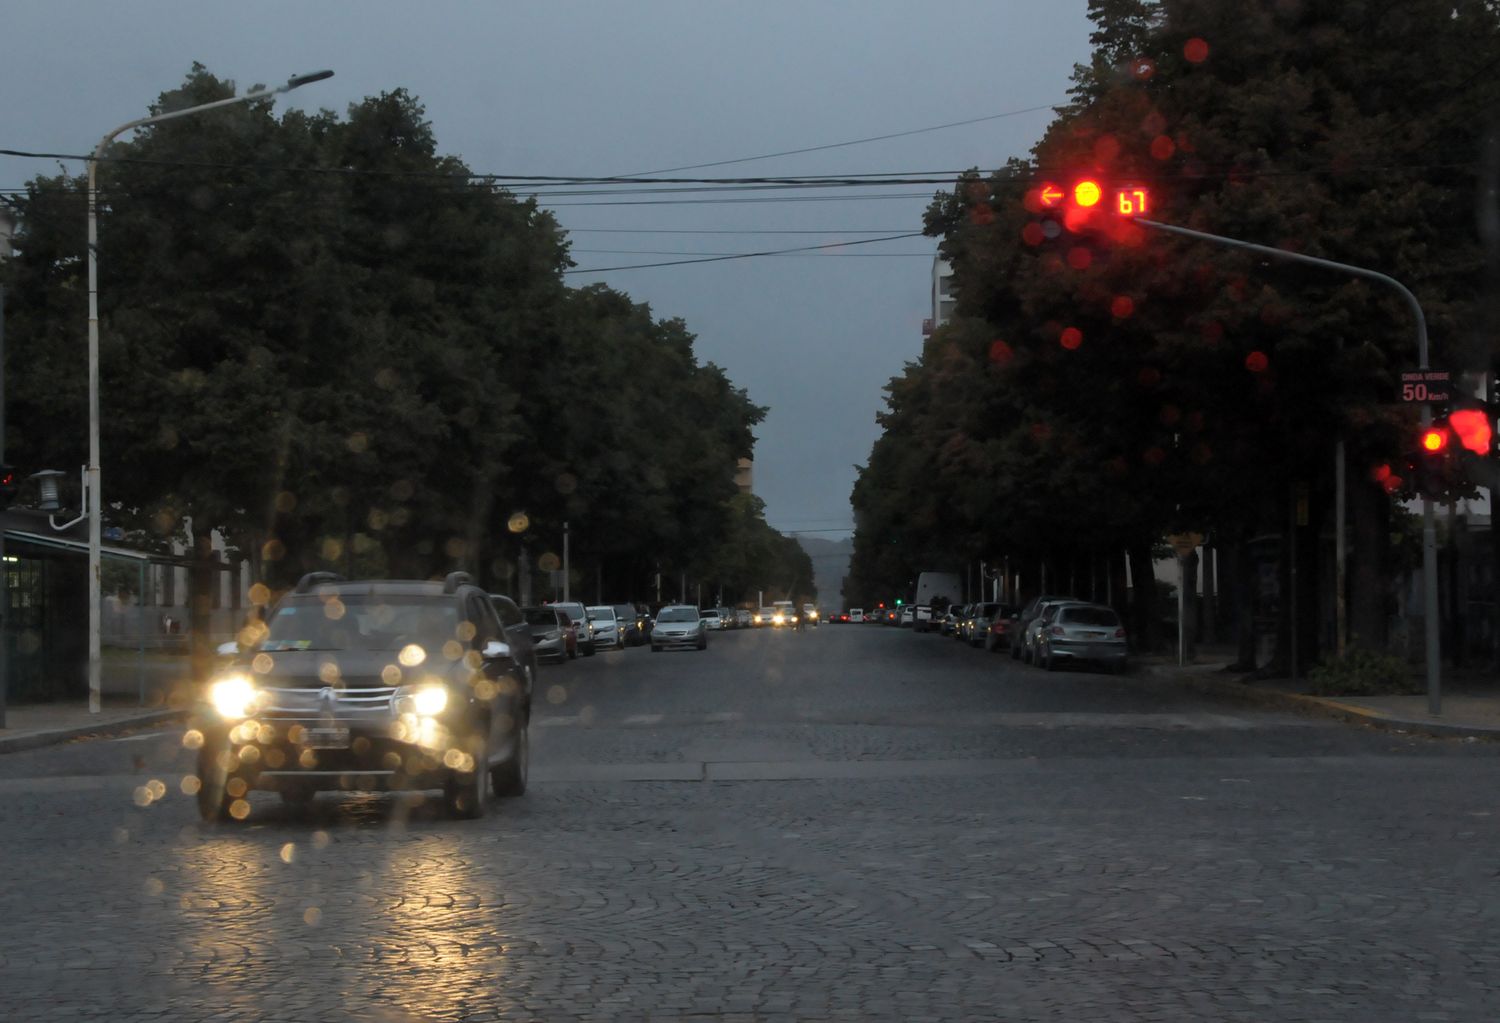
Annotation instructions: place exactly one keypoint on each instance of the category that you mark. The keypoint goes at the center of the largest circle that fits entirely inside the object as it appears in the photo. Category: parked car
(908, 616)
(632, 624)
(951, 616)
(553, 634)
(711, 618)
(743, 618)
(1002, 623)
(1026, 617)
(1083, 632)
(977, 625)
(579, 616)
(856, 614)
(1036, 625)
(434, 687)
(679, 625)
(608, 632)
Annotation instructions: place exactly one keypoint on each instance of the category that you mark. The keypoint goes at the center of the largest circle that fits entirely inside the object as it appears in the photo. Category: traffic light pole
(1429, 531)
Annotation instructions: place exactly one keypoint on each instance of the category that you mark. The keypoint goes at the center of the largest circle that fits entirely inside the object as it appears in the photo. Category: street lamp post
(95, 504)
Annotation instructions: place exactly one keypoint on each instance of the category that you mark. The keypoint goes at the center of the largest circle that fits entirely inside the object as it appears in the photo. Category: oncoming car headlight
(428, 699)
(233, 696)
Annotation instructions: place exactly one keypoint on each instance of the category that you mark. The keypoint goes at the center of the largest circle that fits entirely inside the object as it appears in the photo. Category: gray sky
(618, 88)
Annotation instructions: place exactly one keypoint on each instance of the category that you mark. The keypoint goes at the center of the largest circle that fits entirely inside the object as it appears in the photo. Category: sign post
(1184, 544)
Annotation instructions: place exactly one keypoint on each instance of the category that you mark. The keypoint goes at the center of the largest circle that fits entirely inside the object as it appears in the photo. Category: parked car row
(1050, 631)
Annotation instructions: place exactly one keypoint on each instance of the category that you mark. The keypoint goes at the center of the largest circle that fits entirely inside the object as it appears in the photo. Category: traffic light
(1430, 464)
(1473, 429)
(8, 485)
(899, 601)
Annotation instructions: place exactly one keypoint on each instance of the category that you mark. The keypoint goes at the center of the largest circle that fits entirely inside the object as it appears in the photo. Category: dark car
(552, 632)
(387, 684)
(632, 624)
(997, 636)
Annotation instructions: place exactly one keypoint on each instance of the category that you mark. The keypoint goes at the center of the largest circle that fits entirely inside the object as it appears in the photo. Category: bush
(1363, 673)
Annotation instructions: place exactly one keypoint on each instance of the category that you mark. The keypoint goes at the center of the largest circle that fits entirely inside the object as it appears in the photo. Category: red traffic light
(1474, 429)
(1087, 193)
(1434, 440)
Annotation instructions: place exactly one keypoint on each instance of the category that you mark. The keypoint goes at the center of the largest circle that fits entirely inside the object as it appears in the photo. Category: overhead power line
(855, 142)
(741, 255)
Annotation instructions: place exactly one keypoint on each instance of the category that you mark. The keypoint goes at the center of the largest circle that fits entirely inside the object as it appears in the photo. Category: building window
(945, 286)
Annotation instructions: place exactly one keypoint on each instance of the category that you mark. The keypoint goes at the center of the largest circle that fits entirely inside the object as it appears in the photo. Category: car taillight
(1120, 633)
(1056, 630)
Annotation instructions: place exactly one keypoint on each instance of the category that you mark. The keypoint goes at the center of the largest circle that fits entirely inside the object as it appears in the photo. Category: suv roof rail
(312, 579)
(454, 580)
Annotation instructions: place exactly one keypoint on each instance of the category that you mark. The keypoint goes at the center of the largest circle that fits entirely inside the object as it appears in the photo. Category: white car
(711, 618)
(606, 626)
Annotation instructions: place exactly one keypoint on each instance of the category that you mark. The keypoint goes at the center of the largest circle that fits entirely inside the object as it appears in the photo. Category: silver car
(607, 631)
(1045, 612)
(1082, 632)
(679, 625)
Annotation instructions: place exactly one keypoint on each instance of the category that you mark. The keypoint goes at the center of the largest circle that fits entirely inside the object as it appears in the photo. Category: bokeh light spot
(1122, 307)
(412, 655)
(1000, 352)
(1195, 50)
(556, 694)
(1080, 257)
(1162, 147)
(519, 522)
(260, 593)
(1032, 234)
(286, 501)
(1070, 338)
(239, 809)
(288, 852)
(549, 562)
(312, 916)
(1256, 362)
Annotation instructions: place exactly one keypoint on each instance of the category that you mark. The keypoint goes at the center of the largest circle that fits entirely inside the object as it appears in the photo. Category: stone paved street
(856, 823)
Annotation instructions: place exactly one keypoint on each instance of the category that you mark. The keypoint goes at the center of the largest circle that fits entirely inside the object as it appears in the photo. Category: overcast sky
(599, 88)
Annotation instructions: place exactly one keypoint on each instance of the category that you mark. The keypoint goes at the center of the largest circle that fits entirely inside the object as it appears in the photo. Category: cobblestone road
(852, 824)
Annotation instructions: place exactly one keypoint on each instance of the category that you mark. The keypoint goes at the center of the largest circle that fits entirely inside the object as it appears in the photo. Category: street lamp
(92, 471)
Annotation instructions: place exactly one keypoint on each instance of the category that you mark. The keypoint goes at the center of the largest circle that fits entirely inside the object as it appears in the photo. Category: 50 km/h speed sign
(1424, 385)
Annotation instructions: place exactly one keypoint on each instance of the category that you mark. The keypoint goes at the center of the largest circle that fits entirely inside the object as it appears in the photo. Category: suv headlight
(428, 699)
(233, 696)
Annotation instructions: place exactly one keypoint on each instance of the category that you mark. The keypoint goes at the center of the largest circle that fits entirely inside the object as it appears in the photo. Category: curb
(54, 736)
(1325, 707)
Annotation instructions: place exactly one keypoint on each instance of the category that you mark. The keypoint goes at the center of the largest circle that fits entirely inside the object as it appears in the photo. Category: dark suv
(389, 685)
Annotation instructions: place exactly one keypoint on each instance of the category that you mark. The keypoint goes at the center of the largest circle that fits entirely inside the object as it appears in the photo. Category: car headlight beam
(430, 701)
(233, 696)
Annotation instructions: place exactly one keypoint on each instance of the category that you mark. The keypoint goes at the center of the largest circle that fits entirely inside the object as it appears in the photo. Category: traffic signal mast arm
(1429, 529)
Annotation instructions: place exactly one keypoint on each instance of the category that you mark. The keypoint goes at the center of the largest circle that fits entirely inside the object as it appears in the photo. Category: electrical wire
(740, 255)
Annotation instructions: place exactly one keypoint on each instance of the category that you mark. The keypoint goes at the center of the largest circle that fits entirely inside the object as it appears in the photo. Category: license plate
(327, 738)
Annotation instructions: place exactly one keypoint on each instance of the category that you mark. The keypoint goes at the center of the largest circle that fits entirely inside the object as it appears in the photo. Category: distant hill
(830, 559)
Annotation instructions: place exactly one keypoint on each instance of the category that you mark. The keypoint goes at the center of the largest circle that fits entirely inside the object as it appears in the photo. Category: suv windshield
(361, 622)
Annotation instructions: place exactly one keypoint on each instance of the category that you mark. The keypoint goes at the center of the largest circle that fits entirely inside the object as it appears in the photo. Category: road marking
(138, 738)
(644, 719)
(551, 722)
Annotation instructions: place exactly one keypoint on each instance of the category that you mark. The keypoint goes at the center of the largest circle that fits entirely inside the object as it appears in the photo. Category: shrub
(1363, 673)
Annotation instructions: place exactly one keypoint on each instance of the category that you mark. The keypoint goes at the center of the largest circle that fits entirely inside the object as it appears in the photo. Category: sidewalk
(1470, 698)
(29, 726)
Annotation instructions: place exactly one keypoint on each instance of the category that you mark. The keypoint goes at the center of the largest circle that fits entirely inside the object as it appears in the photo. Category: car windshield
(677, 614)
(601, 614)
(361, 622)
(708, 614)
(541, 616)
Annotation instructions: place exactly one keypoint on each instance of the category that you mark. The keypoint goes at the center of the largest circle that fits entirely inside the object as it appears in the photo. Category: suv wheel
(465, 791)
(214, 799)
(508, 778)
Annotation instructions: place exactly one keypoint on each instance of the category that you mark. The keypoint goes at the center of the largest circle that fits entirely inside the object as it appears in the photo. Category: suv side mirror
(494, 650)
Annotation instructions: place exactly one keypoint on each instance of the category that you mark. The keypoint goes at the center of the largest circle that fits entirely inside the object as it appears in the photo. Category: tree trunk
(1144, 624)
(1240, 569)
(202, 578)
(1370, 540)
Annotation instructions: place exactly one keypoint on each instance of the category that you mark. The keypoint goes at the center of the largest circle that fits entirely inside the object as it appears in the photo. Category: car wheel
(214, 799)
(508, 778)
(703, 643)
(465, 791)
(1015, 653)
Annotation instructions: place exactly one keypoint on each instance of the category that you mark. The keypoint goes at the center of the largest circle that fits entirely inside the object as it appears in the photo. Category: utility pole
(566, 566)
(4, 568)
